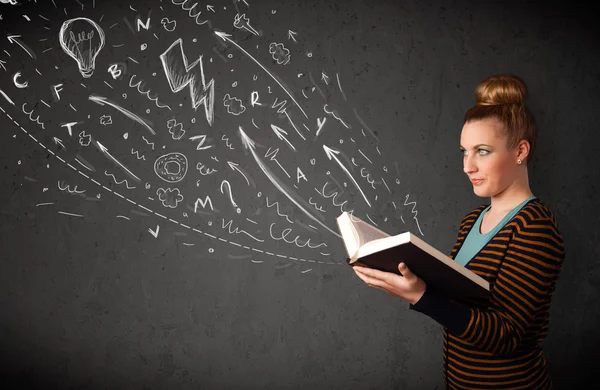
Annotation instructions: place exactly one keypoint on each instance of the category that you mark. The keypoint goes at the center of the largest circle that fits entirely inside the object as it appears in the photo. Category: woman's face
(486, 158)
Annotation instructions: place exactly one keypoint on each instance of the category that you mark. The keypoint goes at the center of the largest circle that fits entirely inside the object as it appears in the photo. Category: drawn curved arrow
(234, 166)
(14, 39)
(225, 37)
(105, 151)
(250, 145)
(332, 154)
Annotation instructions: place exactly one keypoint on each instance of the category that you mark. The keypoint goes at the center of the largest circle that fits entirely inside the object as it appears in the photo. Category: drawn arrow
(2, 64)
(279, 132)
(325, 78)
(105, 151)
(102, 101)
(58, 141)
(14, 39)
(291, 35)
(249, 144)
(234, 166)
(154, 233)
(225, 37)
(210, 8)
(333, 154)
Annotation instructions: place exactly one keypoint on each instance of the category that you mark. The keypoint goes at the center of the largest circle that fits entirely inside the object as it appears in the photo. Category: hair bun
(501, 89)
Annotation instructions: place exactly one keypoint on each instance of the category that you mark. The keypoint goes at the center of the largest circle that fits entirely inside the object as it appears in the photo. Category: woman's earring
(519, 161)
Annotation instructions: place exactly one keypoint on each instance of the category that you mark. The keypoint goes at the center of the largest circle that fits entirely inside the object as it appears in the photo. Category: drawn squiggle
(334, 195)
(226, 139)
(137, 155)
(413, 211)
(36, 120)
(69, 190)
(190, 9)
(285, 233)
(237, 230)
(315, 205)
(119, 182)
(146, 93)
(149, 143)
(277, 208)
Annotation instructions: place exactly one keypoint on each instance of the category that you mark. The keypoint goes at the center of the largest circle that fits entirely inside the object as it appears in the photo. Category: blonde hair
(502, 97)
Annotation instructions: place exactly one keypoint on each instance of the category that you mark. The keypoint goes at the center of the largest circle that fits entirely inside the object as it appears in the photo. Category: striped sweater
(495, 342)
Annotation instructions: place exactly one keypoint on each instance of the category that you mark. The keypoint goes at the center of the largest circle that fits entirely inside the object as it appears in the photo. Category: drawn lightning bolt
(181, 74)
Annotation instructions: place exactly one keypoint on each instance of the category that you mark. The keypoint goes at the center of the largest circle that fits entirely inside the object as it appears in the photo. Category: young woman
(514, 243)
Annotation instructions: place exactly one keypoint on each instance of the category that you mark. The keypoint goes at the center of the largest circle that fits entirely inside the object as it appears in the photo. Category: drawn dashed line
(153, 212)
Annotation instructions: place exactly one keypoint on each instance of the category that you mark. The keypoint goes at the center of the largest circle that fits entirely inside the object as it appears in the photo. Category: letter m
(203, 203)
(180, 75)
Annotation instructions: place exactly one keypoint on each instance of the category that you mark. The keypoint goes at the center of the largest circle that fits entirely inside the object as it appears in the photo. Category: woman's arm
(525, 282)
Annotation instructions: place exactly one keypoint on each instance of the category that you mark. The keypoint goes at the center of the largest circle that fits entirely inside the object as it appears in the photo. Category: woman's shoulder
(536, 212)
(536, 220)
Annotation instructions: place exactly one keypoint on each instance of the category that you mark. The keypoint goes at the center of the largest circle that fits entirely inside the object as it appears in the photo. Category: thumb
(403, 268)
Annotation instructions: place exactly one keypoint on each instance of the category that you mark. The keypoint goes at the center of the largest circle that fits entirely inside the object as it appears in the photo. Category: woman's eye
(483, 150)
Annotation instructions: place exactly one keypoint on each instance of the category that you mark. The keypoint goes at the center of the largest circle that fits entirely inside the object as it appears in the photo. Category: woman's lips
(476, 182)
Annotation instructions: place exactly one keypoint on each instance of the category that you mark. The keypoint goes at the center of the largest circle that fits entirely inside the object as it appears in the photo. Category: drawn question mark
(230, 195)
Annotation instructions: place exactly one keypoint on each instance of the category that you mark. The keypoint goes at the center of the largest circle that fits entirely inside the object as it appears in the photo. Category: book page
(365, 231)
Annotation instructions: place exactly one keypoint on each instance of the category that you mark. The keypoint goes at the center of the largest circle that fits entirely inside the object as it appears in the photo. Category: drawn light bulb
(82, 39)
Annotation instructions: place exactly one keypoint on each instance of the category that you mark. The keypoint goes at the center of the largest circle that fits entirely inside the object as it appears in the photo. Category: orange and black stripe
(495, 342)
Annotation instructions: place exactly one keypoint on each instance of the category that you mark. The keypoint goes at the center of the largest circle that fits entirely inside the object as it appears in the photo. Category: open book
(373, 248)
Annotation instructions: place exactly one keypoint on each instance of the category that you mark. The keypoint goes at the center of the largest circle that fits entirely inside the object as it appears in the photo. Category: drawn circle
(230, 55)
(147, 185)
(312, 161)
(171, 167)
(143, 47)
(309, 54)
(211, 250)
(193, 120)
(234, 84)
(47, 165)
(195, 40)
(154, 74)
(259, 194)
(126, 135)
(209, 223)
(19, 162)
(397, 181)
(341, 141)
(328, 173)
(124, 96)
(148, 111)
(239, 210)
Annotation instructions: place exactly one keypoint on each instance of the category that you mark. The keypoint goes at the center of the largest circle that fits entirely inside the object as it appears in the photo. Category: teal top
(475, 240)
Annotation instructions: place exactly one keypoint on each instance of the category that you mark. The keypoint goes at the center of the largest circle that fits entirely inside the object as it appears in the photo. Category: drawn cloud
(105, 120)
(279, 53)
(84, 139)
(176, 129)
(234, 105)
(168, 25)
(169, 197)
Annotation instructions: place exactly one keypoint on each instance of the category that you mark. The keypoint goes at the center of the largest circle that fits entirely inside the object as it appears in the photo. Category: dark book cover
(434, 272)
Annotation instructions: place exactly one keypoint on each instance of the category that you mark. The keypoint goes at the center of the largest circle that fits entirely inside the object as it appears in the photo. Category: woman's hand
(408, 287)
